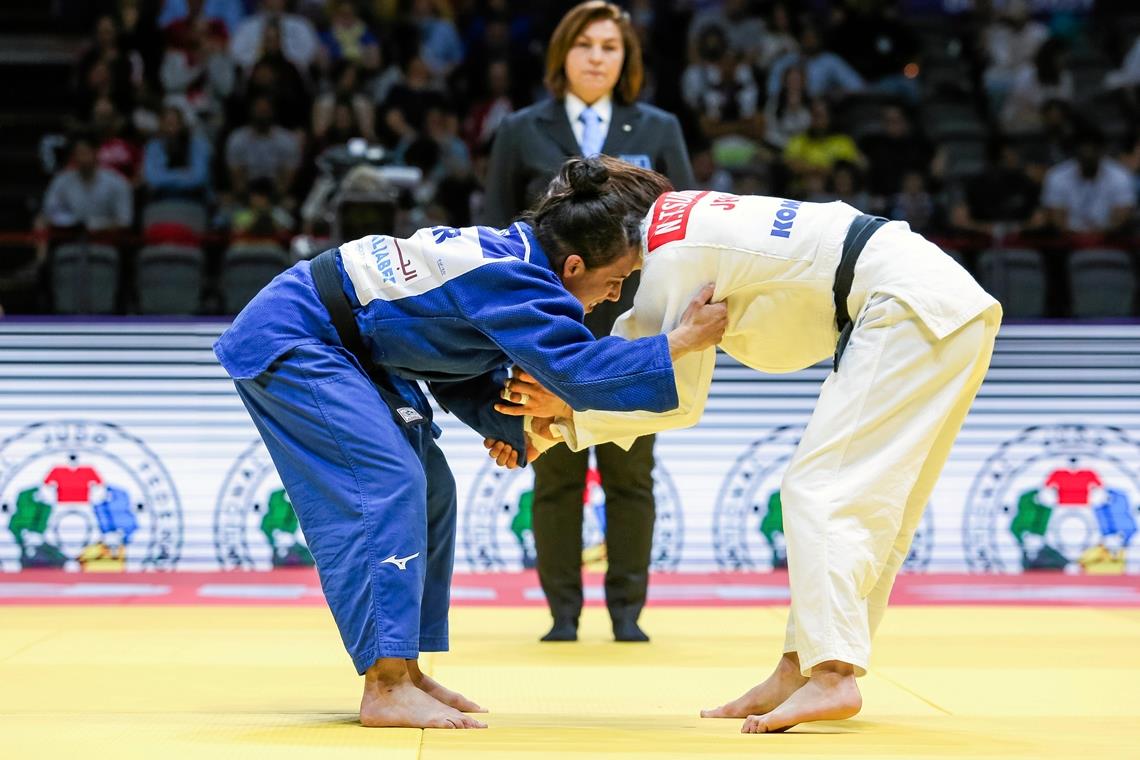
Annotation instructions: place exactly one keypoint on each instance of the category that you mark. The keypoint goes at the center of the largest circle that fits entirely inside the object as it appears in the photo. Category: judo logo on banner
(255, 526)
(1060, 497)
(748, 519)
(86, 496)
(498, 532)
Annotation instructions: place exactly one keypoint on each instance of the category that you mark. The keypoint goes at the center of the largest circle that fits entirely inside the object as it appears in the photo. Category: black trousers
(627, 479)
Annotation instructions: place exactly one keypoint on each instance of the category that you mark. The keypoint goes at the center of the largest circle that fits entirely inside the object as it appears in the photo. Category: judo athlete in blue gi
(328, 359)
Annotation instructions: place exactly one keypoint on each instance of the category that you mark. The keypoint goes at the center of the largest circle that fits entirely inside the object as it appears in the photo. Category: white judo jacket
(773, 262)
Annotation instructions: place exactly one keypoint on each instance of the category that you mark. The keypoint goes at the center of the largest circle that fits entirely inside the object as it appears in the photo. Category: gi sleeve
(538, 325)
(664, 295)
(472, 401)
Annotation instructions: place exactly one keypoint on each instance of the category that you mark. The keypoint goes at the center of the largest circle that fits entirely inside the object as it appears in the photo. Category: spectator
(1043, 80)
(743, 29)
(788, 114)
(176, 163)
(349, 39)
(441, 124)
(106, 70)
(1090, 193)
(455, 174)
(819, 148)
(262, 149)
(1130, 160)
(139, 36)
(343, 126)
(894, 152)
(401, 116)
(178, 14)
(346, 91)
(1010, 43)
(827, 74)
(1127, 76)
(260, 217)
(276, 76)
(722, 90)
(440, 45)
(200, 74)
(86, 196)
(778, 40)
(1001, 201)
(878, 45)
(914, 204)
(842, 182)
(708, 175)
(299, 40)
(115, 150)
(484, 117)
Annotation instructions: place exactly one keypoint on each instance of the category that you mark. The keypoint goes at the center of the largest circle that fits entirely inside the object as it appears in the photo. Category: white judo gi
(885, 422)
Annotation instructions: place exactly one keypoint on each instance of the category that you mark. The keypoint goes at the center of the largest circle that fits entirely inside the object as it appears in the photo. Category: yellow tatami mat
(273, 682)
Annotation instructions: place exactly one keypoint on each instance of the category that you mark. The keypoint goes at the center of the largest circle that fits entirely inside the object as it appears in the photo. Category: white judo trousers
(856, 487)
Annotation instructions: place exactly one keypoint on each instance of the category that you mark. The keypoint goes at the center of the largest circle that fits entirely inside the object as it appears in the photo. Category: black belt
(860, 231)
(326, 276)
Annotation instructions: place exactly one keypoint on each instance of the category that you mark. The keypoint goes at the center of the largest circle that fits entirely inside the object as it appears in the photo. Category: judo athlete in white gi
(327, 358)
(907, 369)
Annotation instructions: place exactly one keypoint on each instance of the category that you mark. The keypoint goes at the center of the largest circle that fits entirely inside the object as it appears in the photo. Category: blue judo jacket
(455, 307)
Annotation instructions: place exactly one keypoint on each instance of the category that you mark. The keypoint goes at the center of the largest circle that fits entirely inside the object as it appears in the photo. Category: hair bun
(586, 176)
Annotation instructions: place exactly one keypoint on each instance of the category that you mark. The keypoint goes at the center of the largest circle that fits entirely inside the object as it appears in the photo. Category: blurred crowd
(992, 126)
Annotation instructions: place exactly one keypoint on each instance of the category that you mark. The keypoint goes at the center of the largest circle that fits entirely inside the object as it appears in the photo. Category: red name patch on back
(671, 217)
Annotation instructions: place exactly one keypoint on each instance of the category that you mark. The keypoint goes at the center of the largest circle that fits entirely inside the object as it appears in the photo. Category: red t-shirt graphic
(1073, 485)
(73, 484)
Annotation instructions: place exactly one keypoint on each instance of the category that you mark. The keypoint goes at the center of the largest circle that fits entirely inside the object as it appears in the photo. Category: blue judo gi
(374, 498)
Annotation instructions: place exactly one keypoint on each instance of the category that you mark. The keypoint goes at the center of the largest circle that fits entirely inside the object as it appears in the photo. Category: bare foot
(440, 692)
(391, 699)
(830, 694)
(766, 696)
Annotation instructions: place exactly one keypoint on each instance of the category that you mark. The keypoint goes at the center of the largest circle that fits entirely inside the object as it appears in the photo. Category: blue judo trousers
(375, 499)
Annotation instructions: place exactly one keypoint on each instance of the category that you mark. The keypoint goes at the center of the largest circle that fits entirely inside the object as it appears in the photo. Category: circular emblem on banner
(255, 526)
(1056, 497)
(498, 520)
(87, 495)
(748, 519)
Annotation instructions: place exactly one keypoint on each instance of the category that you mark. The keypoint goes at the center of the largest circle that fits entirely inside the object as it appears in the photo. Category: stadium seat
(1102, 282)
(84, 278)
(945, 119)
(1016, 278)
(964, 157)
(168, 279)
(180, 222)
(246, 269)
(946, 76)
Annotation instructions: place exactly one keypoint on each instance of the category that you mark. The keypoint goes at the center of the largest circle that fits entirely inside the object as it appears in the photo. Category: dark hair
(594, 209)
(577, 19)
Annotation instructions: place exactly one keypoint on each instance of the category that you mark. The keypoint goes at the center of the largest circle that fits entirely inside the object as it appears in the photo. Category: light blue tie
(592, 134)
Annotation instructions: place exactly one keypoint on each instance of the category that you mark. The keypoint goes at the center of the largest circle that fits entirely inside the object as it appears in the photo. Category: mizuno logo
(400, 562)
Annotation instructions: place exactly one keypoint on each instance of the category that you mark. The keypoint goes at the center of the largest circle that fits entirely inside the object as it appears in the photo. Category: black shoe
(626, 629)
(562, 630)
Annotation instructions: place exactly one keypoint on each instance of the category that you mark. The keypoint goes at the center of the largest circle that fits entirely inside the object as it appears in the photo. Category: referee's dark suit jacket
(530, 146)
